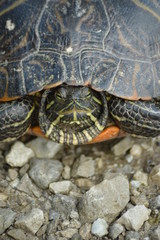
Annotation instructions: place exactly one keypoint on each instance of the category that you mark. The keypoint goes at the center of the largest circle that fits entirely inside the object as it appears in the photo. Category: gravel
(99, 228)
(93, 192)
(113, 191)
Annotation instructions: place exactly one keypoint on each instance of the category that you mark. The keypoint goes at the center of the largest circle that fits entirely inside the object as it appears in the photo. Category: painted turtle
(72, 63)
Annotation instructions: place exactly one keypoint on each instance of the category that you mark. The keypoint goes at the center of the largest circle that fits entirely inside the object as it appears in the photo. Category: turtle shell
(110, 45)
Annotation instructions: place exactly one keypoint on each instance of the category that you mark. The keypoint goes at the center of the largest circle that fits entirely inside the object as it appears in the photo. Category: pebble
(44, 148)
(84, 183)
(19, 155)
(84, 167)
(114, 191)
(155, 235)
(136, 151)
(156, 202)
(141, 177)
(63, 187)
(135, 184)
(68, 160)
(131, 235)
(74, 215)
(85, 231)
(66, 174)
(134, 218)
(155, 175)
(68, 233)
(115, 230)
(64, 205)
(26, 185)
(99, 228)
(7, 217)
(12, 173)
(123, 146)
(3, 196)
(19, 234)
(45, 171)
(32, 221)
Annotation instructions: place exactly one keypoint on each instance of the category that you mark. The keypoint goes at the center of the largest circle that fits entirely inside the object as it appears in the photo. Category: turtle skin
(111, 46)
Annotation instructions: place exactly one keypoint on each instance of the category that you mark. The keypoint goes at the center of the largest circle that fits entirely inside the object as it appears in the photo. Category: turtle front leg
(136, 117)
(15, 118)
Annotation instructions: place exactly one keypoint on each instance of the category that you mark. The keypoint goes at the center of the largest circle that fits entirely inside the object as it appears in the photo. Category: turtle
(69, 68)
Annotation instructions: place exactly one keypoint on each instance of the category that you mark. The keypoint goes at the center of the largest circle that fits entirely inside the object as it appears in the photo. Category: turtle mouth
(72, 115)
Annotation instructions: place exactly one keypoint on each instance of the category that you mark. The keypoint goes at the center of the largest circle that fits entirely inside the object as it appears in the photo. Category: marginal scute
(98, 68)
(42, 69)
(130, 78)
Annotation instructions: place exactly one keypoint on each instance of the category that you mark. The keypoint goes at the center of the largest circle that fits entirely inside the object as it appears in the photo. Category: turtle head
(72, 114)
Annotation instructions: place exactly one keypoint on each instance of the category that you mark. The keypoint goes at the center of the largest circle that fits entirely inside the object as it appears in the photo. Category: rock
(32, 221)
(19, 155)
(115, 230)
(63, 187)
(76, 236)
(7, 217)
(134, 218)
(130, 235)
(66, 174)
(43, 172)
(12, 173)
(64, 205)
(105, 200)
(135, 184)
(19, 234)
(3, 197)
(84, 167)
(141, 199)
(54, 218)
(74, 215)
(84, 183)
(26, 185)
(99, 227)
(44, 148)
(141, 177)
(155, 235)
(68, 233)
(157, 201)
(136, 151)
(85, 231)
(155, 175)
(123, 146)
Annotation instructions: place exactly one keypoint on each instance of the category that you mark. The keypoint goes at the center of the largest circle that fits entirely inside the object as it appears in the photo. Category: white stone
(134, 218)
(85, 167)
(99, 227)
(63, 187)
(44, 148)
(19, 155)
(135, 184)
(136, 150)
